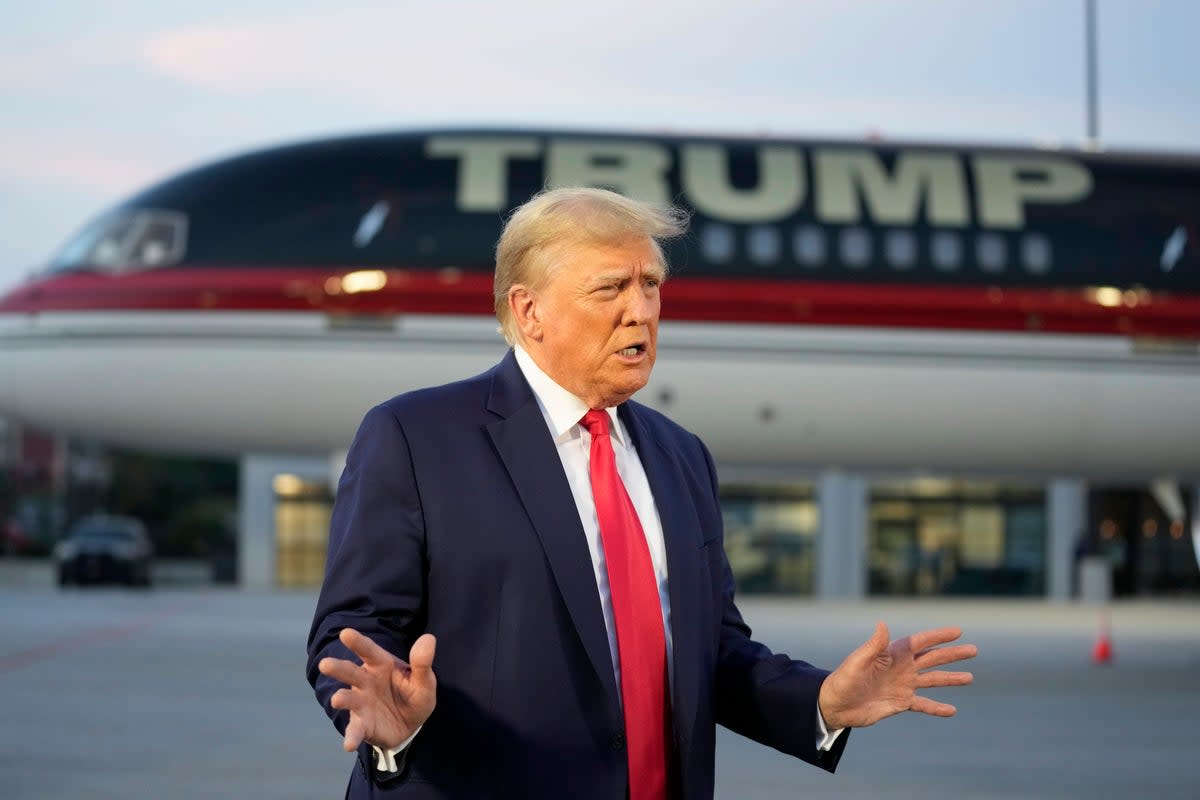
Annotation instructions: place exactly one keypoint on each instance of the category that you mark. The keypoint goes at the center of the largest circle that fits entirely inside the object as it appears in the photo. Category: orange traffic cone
(1102, 652)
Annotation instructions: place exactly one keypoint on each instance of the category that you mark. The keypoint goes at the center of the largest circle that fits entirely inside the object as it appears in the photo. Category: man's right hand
(388, 699)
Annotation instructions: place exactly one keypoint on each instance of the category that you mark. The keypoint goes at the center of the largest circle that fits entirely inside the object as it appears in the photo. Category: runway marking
(70, 644)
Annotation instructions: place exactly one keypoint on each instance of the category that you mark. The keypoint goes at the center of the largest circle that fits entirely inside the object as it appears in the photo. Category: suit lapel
(680, 533)
(525, 446)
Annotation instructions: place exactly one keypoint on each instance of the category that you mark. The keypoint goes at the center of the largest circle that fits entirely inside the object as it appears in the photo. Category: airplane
(868, 305)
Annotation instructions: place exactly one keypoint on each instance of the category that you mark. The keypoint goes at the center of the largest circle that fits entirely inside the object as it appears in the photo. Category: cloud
(669, 63)
(70, 162)
(358, 51)
(477, 49)
(43, 66)
(226, 58)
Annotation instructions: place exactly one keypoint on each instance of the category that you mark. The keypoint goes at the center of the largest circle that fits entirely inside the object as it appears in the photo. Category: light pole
(1092, 76)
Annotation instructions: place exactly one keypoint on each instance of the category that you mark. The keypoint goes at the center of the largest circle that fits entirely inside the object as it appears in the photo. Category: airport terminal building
(838, 534)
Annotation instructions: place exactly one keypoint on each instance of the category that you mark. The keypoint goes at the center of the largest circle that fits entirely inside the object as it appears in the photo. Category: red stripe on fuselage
(451, 291)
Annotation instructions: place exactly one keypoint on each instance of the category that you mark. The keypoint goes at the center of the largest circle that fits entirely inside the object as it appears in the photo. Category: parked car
(101, 549)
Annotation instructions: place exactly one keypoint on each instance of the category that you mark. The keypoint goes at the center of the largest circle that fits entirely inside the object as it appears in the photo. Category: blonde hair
(555, 218)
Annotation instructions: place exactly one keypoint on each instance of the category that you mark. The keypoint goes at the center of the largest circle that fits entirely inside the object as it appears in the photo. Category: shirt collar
(561, 409)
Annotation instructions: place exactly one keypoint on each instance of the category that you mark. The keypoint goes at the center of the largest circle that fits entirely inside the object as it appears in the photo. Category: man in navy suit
(474, 512)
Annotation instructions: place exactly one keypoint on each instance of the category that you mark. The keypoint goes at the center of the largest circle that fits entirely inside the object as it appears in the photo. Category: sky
(99, 100)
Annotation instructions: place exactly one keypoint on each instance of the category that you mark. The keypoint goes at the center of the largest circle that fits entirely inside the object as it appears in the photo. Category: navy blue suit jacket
(454, 516)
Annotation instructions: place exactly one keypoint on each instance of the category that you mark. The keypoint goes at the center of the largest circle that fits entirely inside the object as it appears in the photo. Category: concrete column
(842, 536)
(256, 510)
(1066, 518)
(256, 523)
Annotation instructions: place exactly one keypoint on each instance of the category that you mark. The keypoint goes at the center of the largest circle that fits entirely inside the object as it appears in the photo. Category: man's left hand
(880, 679)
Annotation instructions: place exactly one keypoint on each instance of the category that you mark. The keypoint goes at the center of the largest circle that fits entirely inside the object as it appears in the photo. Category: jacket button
(617, 742)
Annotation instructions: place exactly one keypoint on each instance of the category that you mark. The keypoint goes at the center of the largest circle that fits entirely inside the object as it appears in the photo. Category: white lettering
(635, 169)
(843, 176)
(1003, 185)
(704, 172)
(482, 166)
(848, 184)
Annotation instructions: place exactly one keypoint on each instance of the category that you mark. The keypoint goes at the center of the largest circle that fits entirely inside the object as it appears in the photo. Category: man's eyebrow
(618, 273)
(610, 275)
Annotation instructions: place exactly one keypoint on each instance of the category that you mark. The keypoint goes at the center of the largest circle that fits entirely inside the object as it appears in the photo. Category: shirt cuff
(826, 738)
(385, 760)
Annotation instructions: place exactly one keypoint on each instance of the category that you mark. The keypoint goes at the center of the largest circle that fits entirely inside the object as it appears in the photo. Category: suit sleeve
(375, 568)
(764, 696)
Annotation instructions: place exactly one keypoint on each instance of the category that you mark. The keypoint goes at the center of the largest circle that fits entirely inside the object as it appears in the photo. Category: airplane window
(991, 252)
(371, 223)
(716, 242)
(900, 249)
(809, 246)
(125, 240)
(79, 245)
(109, 248)
(1036, 254)
(946, 251)
(854, 247)
(763, 245)
(159, 239)
(99, 245)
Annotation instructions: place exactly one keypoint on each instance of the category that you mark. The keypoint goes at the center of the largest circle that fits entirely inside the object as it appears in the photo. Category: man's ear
(526, 312)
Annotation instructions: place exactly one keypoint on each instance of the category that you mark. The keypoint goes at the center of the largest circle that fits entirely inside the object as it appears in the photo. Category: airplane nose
(17, 299)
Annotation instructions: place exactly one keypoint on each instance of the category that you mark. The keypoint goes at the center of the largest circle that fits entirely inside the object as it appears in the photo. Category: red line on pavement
(70, 644)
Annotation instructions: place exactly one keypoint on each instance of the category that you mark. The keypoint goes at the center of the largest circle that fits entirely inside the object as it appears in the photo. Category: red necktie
(637, 613)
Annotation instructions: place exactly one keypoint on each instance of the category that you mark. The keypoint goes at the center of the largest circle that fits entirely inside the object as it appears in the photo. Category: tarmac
(200, 693)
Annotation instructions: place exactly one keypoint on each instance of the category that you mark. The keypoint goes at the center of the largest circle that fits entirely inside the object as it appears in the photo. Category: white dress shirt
(563, 412)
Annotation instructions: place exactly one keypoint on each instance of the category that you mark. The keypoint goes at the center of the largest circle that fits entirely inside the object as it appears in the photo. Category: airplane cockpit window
(126, 241)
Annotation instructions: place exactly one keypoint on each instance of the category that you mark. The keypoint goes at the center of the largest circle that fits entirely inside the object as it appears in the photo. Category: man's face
(595, 321)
